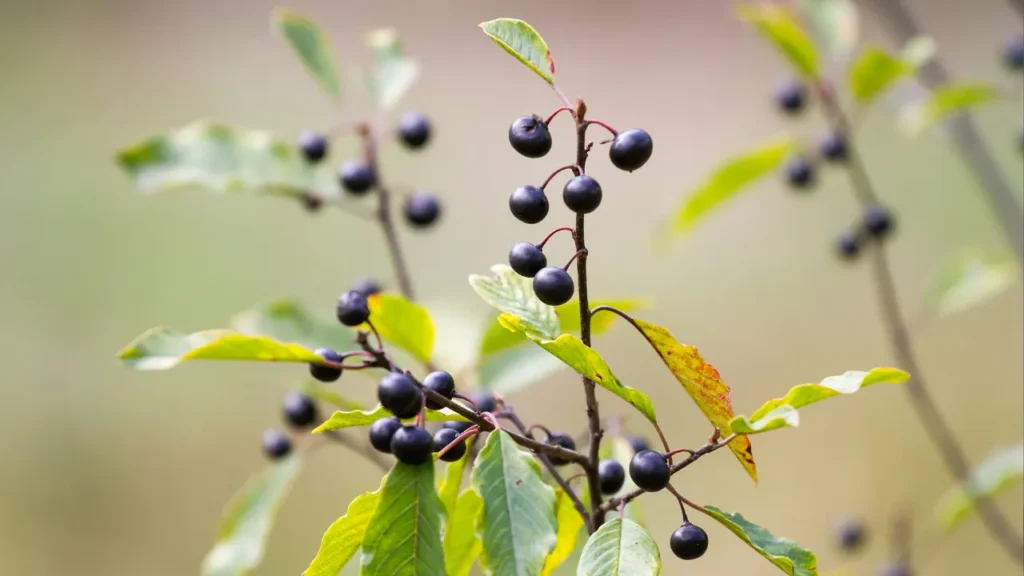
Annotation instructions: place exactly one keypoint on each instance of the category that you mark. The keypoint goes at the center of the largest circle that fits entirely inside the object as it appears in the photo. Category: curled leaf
(786, 555)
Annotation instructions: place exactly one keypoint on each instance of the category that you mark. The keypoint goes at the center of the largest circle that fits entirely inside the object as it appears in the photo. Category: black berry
(689, 541)
(631, 149)
(878, 221)
(299, 409)
(563, 440)
(356, 177)
(526, 259)
(313, 146)
(833, 147)
(276, 444)
(459, 427)
(440, 382)
(312, 202)
(528, 204)
(413, 130)
(800, 172)
(529, 136)
(422, 209)
(848, 245)
(553, 286)
(649, 470)
(485, 402)
(326, 373)
(582, 194)
(444, 437)
(353, 309)
(381, 433)
(611, 475)
(791, 97)
(851, 535)
(412, 445)
(400, 395)
(1013, 53)
(639, 444)
(895, 570)
(366, 287)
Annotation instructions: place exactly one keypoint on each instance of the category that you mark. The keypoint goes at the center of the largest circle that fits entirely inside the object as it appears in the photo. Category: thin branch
(385, 219)
(363, 449)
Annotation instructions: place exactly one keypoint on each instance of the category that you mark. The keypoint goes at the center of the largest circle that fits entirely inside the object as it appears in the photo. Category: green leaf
(727, 181)
(286, 320)
(404, 535)
(318, 391)
(404, 324)
(777, 24)
(787, 555)
(837, 22)
(516, 368)
(462, 544)
(569, 525)
(569, 314)
(248, 518)
(586, 362)
(355, 418)
(161, 348)
(392, 73)
(969, 279)
(518, 524)
(449, 492)
(782, 412)
(1003, 468)
(874, 71)
(703, 384)
(311, 45)
(513, 294)
(344, 537)
(620, 548)
(944, 102)
(520, 40)
(219, 158)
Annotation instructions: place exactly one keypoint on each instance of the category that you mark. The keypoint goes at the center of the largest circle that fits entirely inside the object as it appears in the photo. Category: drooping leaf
(513, 294)
(520, 40)
(969, 279)
(161, 348)
(404, 324)
(318, 391)
(942, 103)
(727, 181)
(355, 418)
(620, 548)
(874, 71)
(345, 536)
(1002, 468)
(219, 158)
(704, 385)
(569, 524)
(404, 535)
(392, 73)
(449, 491)
(782, 412)
(462, 545)
(787, 555)
(248, 519)
(311, 45)
(586, 362)
(778, 25)
(518, 525)
(837, 23)
(516, 368)
(286, 320)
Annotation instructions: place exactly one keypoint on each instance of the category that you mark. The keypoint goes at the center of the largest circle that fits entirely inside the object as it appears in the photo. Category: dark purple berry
(1013, 53)
(440, 382)
(357, 177)
(848, 245)
(553, 286)
(563, 440)
(649, 470)
(485, 402)
(313, 146)
(611, 475)
(459, 427)
(526, 259)
(444, 437)
(412, 445)
(791, 97)
(582, 194)
(366, 287)
(400, 395)
(529, 204)
(639, 444)
(276, 444)
(800, 173)
(878, 222)
(529, 136)
(851, 535)
(631, 149)
(311, 202)
(353, 309)
(381, 433)
(689, 541)
(326, 373)
(299, 410)
(422, 209)
(413, 130)
(833, 147)
(897, 569)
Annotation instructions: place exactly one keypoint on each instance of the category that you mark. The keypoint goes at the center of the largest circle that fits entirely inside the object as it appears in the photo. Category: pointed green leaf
(462, 544)
(969, 279)
(620, 548)
(311, 45)
(343, 539)
(219, 158)
(586, 362)
(404, 535)
(248, 518)
(874, 71)
(513, 294)
(837, 23)
(449, 492)
(518, 524)
(1003, 468)
(787, 555)
(355, 418)
(286, 320)
(727, 181)
(403, 323)
(392, 73)
(161, 348)
(944, 102)
(520, 40)
(569, 525)
(318, 391)
(782, 412)
(777, 23)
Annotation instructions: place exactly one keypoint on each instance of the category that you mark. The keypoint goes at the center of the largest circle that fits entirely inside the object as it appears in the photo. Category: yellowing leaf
(569, 524)
(1002, 468)
(354, 418)
(786, 555)
(779, 26)
(344, 537)
(311, 45)
(404, 324)
(520, 40)
(874, 71)
(162, 348)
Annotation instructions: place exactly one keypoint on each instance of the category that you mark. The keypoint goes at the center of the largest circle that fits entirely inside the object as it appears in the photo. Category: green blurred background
(111, 472)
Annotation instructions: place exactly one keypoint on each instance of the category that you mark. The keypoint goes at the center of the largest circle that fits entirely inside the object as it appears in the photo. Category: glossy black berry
(413, 130)
(381, 433)
(459, 427)
(529, 204)
(563, 440)
(440, 382)
(311, 202)
(529, 136)
(326, 373)
(582, 194)
(353, 309)
(313, 146)
(553, 286)
(851, 535)
(833, 147)
(631, 149)
(356, 177)
(878, 222)
(895, 570)
(1013, 53)
(366, 286)
(412, 445)
(526, 259)
(800, 173)
(689, 541)
(276, 444)
(299, 410)
(649, 470)
(639, 444)
(421, 209)
(485, 402)
(848, 245)
(400, 395)
(791, 97)
(611, 475)
(444, 437)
